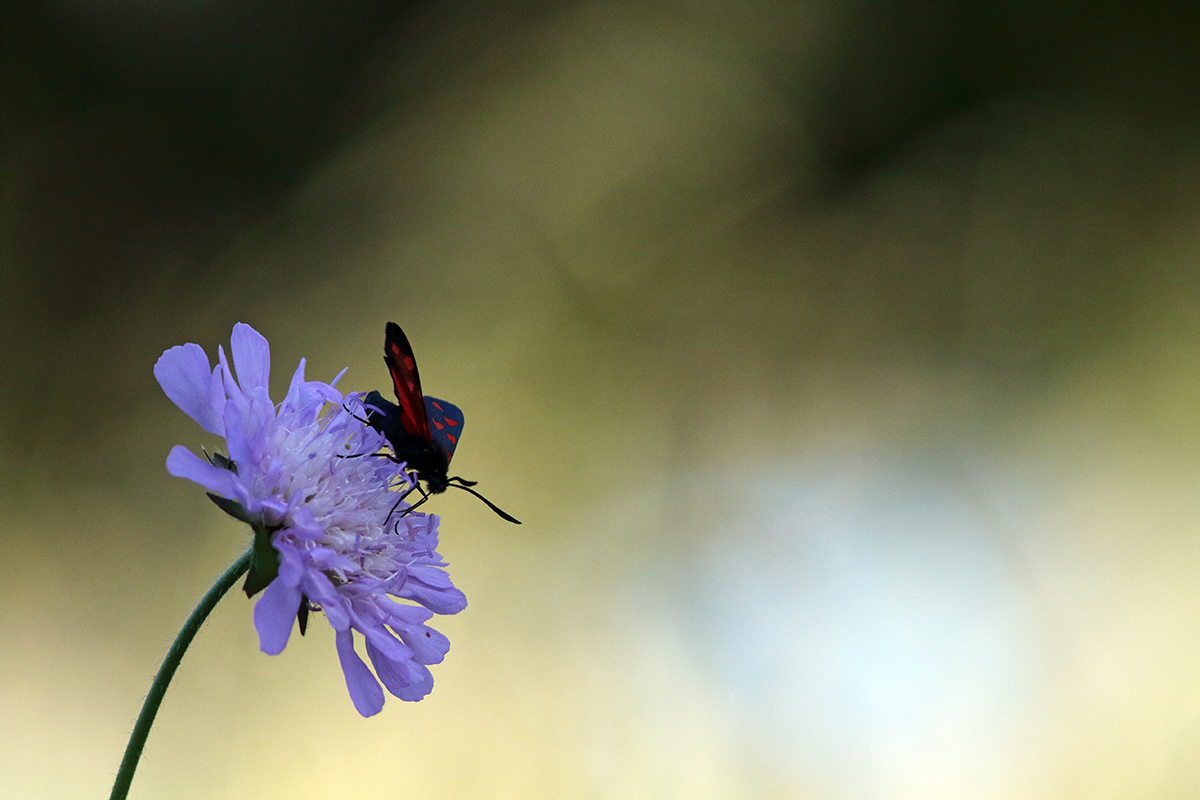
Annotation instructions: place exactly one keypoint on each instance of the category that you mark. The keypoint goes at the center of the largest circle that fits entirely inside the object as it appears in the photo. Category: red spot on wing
(453, 439)
(451, 422)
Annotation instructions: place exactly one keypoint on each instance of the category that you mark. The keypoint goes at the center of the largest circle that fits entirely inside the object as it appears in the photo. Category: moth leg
(416, 487)
(356, 416)
(424, 497)
(365, 422)
(388, 456)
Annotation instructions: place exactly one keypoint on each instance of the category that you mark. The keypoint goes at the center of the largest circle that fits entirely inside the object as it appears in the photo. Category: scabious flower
(329, 535)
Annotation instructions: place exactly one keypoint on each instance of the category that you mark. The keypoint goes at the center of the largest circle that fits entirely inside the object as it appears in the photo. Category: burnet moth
(423, 431)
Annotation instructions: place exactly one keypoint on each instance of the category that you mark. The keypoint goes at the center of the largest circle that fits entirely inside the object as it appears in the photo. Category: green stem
(141, 729)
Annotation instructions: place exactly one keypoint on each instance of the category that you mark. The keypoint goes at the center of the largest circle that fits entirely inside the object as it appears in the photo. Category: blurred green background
(842, 360)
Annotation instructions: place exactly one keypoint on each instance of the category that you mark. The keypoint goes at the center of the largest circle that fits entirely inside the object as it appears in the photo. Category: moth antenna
(499, 511)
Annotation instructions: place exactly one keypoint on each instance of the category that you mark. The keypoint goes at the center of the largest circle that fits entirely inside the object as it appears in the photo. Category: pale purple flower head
(326, 535)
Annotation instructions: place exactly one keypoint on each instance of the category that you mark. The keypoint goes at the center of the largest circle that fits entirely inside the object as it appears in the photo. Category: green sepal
(231, 507)
(222, 461)
(265, 566)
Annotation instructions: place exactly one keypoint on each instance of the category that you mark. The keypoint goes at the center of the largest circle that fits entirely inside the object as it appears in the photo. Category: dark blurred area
(907, 69)
(140, 141)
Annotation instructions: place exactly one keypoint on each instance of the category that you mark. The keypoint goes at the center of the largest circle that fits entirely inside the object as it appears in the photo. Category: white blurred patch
(856, 627)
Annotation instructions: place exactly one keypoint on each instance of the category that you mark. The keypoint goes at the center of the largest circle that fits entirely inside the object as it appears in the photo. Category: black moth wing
(418, 453)
(445, 425)
(406, 425)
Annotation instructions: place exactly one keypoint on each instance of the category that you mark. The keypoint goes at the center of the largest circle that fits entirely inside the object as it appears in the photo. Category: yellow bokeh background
(841, 360)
